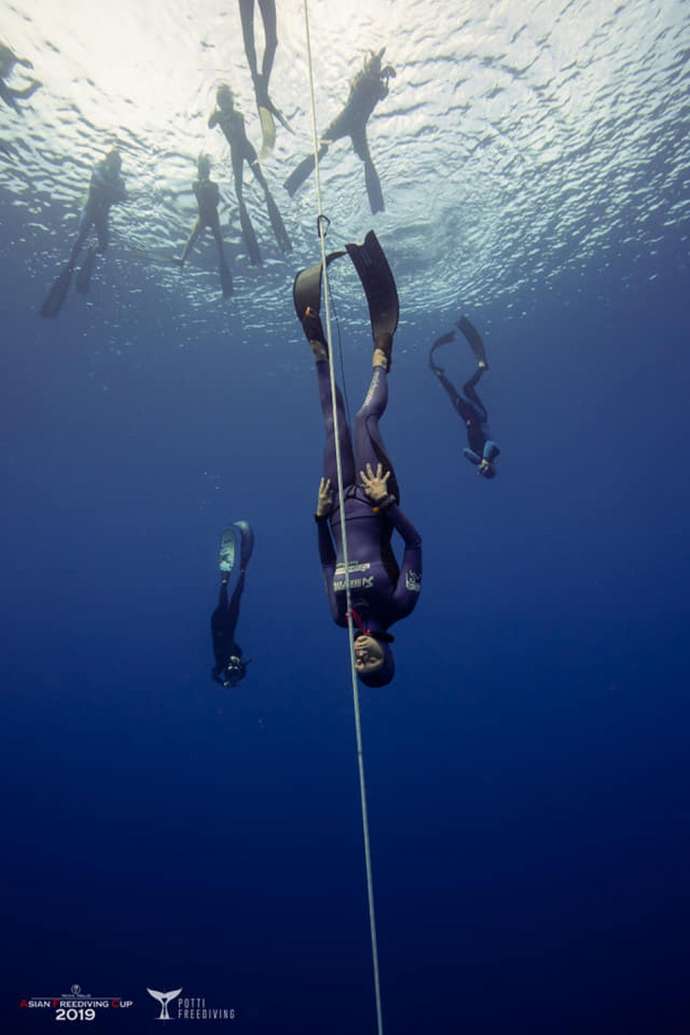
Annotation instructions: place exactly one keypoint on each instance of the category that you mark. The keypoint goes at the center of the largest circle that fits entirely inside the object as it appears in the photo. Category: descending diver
(382, 592)
(230, 666)
(366, 90)
(10, 94)
(207, 197)
(265, 105)
(482, 450)
(107, 188)
(232, 124)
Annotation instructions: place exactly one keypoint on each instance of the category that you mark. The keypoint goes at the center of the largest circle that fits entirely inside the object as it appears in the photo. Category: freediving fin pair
(377, 280)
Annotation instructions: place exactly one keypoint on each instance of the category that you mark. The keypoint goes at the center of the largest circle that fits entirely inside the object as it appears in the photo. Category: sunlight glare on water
(519, 141)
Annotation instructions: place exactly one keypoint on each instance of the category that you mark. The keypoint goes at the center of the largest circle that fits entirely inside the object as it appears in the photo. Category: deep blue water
(527, 771)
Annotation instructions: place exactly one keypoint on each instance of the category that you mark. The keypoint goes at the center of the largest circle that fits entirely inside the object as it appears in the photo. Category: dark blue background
(527, 771)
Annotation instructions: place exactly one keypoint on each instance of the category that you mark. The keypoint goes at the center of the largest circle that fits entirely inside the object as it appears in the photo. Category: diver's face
(368, 654)
(234, 673)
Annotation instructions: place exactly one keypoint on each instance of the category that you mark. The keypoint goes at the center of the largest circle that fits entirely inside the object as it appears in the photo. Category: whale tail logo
(164, 998)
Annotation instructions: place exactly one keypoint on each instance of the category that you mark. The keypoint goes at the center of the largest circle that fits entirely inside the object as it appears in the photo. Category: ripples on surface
(518, 141)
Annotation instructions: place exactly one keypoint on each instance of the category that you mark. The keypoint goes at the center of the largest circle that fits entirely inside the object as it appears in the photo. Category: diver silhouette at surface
(231, 122)
(207, 198)
(106, 189)
(11, 94)
(382, 592)
(368, 87)
(266, 108)
(481, 449)
(236, 545)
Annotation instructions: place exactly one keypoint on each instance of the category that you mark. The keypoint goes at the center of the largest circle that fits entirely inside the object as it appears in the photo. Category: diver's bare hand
(324, 503)
(375, 483)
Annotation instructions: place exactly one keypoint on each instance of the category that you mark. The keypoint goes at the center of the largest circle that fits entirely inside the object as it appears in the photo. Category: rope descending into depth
(321, 223)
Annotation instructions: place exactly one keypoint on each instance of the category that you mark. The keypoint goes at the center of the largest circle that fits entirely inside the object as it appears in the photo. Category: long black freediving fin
(253, 250)
(281, 234)
(225, 280)
(379, 286)
(55, 298)
(373, 185)
(306, 287)
(475, 340)
(302, 172)
(83, 284)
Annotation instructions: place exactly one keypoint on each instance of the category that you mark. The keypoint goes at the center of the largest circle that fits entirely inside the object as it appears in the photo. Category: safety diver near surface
(207, 198)
(11, 94)
(368, 87)
(382, 592)
(106, 189)
(230, 668)
(265, 106)
(481, 449)
(231, 123)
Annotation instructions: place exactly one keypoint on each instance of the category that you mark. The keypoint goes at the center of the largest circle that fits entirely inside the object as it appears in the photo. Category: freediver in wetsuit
(366, 90)
(482, 450)
(382, 592)
(207, 198)
(232, 124)
(230, 667)
(266, 108)
(106, 189)
(11, 94)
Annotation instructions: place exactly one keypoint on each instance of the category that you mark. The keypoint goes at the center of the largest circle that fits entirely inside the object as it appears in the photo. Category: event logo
(164, 998)
(75, 1005)
(189, 1008)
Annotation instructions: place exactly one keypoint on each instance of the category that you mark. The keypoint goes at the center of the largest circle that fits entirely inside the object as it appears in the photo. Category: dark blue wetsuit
(223, 624)
(382, 592)
(473, 413)
(105, 190)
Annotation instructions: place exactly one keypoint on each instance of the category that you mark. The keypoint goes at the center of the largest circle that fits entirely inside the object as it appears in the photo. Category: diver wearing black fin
(383, 591)
(231, 123)
(366, 90)
(266, 108)
(106, 189)
(207, 198)
(481, 450)
(236, 544)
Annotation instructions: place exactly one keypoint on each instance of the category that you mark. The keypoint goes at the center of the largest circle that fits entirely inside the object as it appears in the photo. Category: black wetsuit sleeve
(213, 119)
(409, 583)
(328, 559)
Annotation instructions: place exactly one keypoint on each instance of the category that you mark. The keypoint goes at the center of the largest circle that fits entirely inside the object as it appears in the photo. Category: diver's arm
(213, 119)
(409, 584)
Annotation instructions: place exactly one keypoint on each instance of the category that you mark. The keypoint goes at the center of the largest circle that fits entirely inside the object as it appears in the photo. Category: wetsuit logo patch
(413, 581)
(364, 583)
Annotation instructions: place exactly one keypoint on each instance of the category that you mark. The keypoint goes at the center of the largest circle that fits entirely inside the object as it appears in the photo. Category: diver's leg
(471, 393)
(360, 146)
(268, 15)
(26, 91)
(346, 455)
(247, 19)
(102, 232)
(369, 447)
(223, 269)
(233, 610)
(85, 225)
(251, 243)
(193, 238)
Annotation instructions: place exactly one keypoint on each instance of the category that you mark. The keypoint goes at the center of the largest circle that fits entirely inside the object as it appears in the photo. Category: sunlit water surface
(519, 141)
